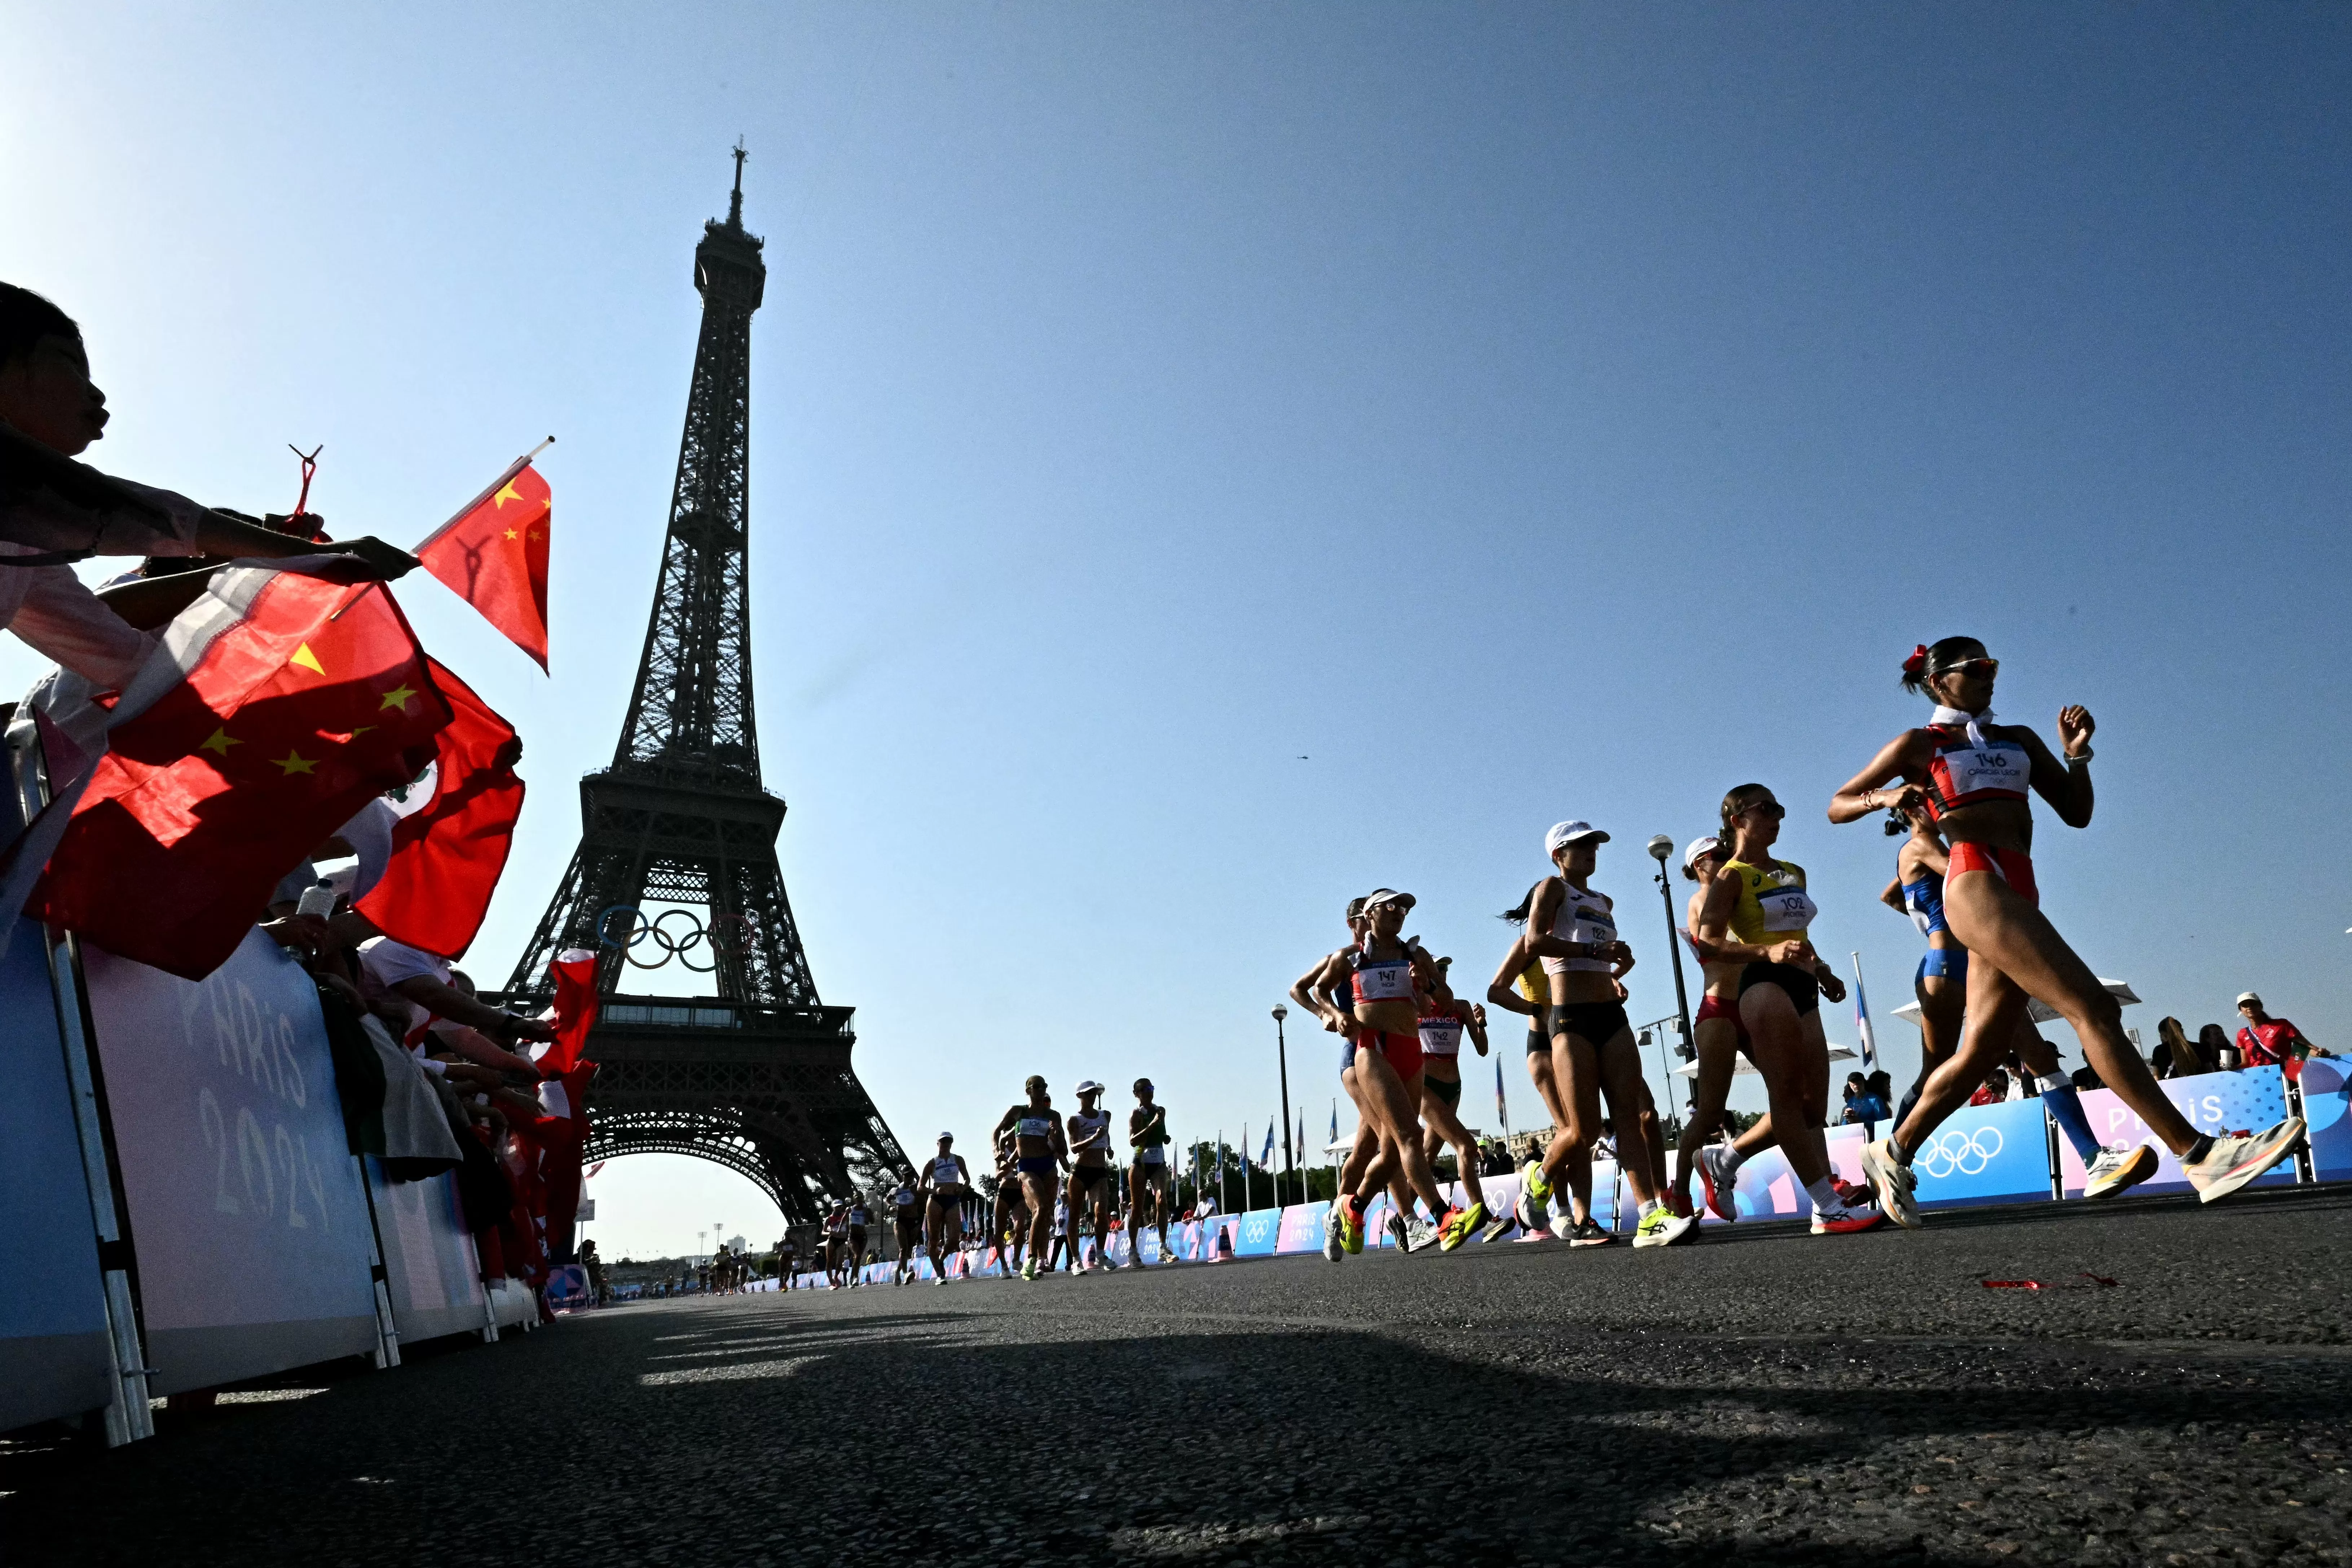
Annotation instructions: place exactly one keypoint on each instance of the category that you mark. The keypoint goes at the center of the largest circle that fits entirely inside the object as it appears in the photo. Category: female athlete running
(1039, 1153)
(1521, 986)
(1972, 776)
(1383, 977)
(1323, 992)
(1719, 1038)
(1572, 929)
(907, 1221)
(1009, 1225)
(1756, 912)
(1154, 1189)
(1940, 986)
(946, 1181)
(1091, 1178)
(1444, 1017)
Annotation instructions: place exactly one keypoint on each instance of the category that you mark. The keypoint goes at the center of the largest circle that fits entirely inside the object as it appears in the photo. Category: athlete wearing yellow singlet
(1772, 907)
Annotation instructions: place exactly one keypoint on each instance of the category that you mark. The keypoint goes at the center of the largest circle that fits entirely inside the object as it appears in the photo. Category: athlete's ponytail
(1731, 809)
(1931, 658)
(1517, 915)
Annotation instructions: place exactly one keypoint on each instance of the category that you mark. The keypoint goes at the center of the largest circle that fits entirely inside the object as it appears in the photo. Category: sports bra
(1584, 916)
(1381, 979)
(946, 1173)
(1961, 772)
(1155, 1131)
(1923, 901)
(904, 1197)
(1441, 1035)
(1088, 1127)
(1034, 1124)
(1773, 906)
(857, 1217)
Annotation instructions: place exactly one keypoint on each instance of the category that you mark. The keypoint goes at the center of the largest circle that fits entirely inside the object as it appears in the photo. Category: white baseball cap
(1699, 849)
(1090, 1087)
(1388, 895)
(2246, 996)
(1566, 833)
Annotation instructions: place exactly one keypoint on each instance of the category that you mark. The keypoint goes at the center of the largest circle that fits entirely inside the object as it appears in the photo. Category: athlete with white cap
(1090, 1179)
(946, 1181)
(1323, 992)
(1976, 778)
(1383, 976)
(1572, 929)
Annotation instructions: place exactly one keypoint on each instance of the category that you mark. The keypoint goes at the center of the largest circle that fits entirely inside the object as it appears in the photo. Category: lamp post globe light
(1282, 1059)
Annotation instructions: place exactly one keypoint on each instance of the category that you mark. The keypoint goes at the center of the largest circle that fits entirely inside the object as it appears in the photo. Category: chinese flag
(447, 856)
(493, 555)
(576, 1002)
(308, 698)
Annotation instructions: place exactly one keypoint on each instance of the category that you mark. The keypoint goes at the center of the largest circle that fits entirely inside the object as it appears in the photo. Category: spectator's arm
(472, 1044)
(64, 621)
(447, 1001)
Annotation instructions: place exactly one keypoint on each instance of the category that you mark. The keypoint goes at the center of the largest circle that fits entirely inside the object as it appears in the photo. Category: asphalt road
(1766, 1396)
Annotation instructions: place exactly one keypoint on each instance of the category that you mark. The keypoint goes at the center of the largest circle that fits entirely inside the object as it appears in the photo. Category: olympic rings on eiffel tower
(637, 931)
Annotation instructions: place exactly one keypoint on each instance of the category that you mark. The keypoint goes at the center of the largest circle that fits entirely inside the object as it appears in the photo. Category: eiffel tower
(675, 875)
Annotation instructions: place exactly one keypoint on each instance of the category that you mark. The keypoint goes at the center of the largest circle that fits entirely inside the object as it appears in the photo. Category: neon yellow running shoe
(1460, 1224)
(1537, 1187)
(1652, 1231)
(1352, 1226)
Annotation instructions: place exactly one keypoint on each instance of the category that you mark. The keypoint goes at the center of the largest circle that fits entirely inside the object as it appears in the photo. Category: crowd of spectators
(432, 1079)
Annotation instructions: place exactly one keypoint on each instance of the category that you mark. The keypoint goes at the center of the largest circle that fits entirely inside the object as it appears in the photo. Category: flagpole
(495, 486)
(1862, 1016)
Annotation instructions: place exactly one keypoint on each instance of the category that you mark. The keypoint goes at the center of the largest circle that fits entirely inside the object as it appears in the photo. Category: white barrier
(245, 1207)
(431, 1270)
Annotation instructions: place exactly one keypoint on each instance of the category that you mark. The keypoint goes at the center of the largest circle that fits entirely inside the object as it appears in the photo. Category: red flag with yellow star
(448, 855)
(299, 698)
(493, 555)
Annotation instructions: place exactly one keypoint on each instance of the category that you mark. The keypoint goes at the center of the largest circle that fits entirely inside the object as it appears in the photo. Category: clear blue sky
(1522, 412)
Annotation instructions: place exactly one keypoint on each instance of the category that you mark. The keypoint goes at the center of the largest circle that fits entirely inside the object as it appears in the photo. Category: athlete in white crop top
(1571, 929)
(1090, 1178)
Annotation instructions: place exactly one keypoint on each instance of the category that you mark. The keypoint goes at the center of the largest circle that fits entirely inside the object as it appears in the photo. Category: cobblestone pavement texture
(1766, 1396)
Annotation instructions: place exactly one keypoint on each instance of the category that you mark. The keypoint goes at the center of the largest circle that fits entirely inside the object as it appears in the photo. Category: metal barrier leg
(129, 1418)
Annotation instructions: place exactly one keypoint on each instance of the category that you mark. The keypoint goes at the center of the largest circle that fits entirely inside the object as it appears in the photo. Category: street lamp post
(1282, 1059)
(1661, 848)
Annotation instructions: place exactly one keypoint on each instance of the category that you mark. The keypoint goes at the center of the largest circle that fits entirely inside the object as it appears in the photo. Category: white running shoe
(1892, 1179)
(2231, 1163)
(2118, 1168)
(1332, 1248)
(1563, 1226)
(1395, 1226)
(1838, 1219)
(1419, 1233)
(1718, 1182)
(1681, 1230)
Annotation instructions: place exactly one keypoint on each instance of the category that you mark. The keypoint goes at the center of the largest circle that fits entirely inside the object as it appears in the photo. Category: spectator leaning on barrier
(2266, 1041)
(57, 511)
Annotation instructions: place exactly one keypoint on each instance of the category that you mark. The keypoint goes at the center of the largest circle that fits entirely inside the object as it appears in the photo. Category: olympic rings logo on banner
(636, 930)
(1960, 1153)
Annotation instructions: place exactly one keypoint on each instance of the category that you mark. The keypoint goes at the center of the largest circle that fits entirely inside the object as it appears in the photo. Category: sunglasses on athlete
(1980, 668)
(1768, 807)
